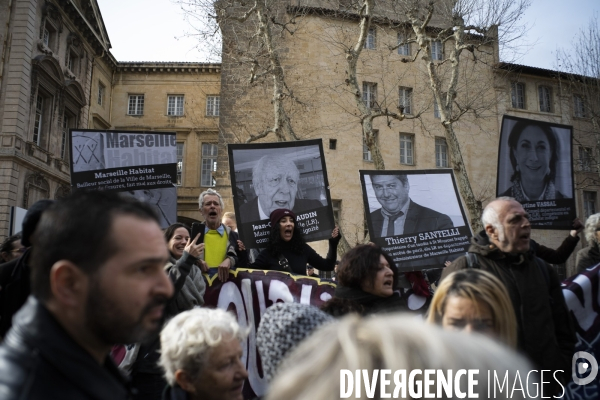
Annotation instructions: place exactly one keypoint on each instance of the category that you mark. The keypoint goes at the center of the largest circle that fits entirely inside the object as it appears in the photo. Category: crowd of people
(95, 270)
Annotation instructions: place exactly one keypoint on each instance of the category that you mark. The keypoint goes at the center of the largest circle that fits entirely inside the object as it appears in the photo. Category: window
(101, 89)
(179, 164)
(441, 153)
(366, 152)
(585, 159)
(589, 203)
(46, 37)
(136, 104)
(212, 106)
(370, 41)
(517, 95)
(405, 99)
(337, 211)
(209, 165)
(39, 115)
(406, 149)
(332, 144)
(436, 109)
(578, 106)
(545, 95)
(370, 94)
(437, 51)
(72, 61)
(403, 49)
(65, 132)
(175, 105)
(49, 35)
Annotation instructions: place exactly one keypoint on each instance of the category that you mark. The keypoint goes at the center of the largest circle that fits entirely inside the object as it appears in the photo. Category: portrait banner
(138, 164)
(535, 166)
(269, 176)
(582, 295)
(415, 216)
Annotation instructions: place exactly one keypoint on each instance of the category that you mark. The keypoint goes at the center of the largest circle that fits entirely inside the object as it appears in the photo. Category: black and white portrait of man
(271, 178)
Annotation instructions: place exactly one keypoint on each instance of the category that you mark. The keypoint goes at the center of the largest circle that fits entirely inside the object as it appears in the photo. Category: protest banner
(268, 176)
(138, 164)
(535, 166)
(415, 216)
(248, 293)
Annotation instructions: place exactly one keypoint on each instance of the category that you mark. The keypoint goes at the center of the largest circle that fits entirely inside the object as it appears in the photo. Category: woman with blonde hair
(346, 354)
(474, 301)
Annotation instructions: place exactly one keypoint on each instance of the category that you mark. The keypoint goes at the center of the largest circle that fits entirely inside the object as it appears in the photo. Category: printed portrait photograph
(402, 204)
(267, 179)
(534, 160)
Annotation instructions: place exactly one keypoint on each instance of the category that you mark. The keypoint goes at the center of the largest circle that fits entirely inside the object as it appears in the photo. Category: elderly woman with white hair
(201, 355)
(590, 256)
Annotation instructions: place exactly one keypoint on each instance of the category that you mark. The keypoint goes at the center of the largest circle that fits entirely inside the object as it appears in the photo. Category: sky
(155, 30)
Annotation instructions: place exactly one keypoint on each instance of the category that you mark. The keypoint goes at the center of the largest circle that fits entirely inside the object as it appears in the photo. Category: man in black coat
(545, 332)
(97, 280)
(399, 215)
(275, 180)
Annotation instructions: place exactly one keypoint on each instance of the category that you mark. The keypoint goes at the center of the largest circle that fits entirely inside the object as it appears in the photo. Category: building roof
(166, 66)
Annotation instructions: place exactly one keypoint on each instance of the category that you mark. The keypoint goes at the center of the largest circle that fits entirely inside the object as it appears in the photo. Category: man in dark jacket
(15, 275)
(545, 332)
(97, 280)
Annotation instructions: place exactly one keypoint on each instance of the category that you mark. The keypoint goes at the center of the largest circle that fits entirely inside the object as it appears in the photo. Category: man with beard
(222, 247)
(97, 280)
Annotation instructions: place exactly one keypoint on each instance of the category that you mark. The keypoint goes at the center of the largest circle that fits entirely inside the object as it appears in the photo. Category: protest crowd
(97, 302)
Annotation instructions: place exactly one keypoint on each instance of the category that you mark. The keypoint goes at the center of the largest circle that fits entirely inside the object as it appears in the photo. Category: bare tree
(581, 80)
(457, 46)
(254, 30)
(468, 33)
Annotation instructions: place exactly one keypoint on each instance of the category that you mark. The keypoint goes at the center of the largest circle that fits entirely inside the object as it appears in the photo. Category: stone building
(57, 73)
(314, 62)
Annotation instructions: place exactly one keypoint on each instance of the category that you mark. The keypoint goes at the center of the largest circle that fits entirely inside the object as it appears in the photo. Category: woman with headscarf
(366, 280)
(534, 158)
(287, 251)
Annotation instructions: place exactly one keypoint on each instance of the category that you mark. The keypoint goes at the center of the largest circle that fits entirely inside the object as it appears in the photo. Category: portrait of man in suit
(275, 181)
(399, 215)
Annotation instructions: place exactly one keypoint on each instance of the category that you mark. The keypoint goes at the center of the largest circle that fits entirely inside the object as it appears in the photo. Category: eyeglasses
(21, 250)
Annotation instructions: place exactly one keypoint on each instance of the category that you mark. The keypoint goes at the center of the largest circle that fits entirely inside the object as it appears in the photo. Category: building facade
(57, 73)
(314, 60)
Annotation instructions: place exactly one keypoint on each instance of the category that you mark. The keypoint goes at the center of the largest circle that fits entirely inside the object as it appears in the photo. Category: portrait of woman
(533, 151)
